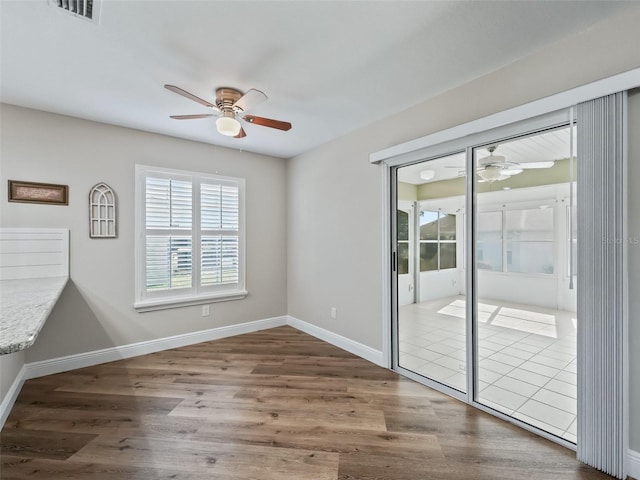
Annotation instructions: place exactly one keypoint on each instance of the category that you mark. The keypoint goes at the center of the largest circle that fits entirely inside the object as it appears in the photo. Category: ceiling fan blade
(268, 122)
(190, 96)
(242, 133)
(537, 164)
(250, 99)
(191, 117)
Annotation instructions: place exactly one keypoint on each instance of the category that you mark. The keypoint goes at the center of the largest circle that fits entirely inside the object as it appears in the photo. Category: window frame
(438, 241)
(196, 294)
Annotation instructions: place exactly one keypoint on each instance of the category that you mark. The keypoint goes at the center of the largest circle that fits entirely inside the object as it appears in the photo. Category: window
(518, 241)
(190, 238)
(403, 242)
(529, 240)
(489, 241)
(437, 241)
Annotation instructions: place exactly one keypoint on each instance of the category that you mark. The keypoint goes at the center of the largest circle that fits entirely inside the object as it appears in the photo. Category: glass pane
(403, 226)
(230, 264)
(428, 257)
(526, 325)
(526, 225)
(403, 258)
(168, 262)
(428, 225)
(447, 255)
(529, 235)
(219, 264)
(489, 241)
(447, 226)
(431, 330)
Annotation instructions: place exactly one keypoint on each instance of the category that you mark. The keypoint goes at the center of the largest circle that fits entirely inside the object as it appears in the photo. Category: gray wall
(335, 195)
(96, 309)
(634, 268)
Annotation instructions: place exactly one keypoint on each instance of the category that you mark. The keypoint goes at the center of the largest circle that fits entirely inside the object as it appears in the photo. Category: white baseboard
(88, 359)
(633, 464)
(11, 396)
(363, 351)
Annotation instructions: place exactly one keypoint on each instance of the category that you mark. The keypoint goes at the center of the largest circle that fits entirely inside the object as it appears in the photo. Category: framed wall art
(33, 192)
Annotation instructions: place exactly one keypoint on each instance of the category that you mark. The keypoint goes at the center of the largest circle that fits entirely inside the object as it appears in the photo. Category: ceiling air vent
(87, 9)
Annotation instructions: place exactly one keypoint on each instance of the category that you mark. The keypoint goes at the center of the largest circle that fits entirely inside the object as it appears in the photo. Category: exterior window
(190, 238)
(403, 242)
(489, 241)
(529, 240)
(516, 241)
(437, 241)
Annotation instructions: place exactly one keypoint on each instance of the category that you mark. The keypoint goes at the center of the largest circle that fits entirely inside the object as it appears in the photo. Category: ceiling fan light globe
(427, 174)
(228, 126)
(490, 174)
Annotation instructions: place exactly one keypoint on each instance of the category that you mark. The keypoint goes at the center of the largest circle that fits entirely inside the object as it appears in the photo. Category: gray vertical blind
(601, 282)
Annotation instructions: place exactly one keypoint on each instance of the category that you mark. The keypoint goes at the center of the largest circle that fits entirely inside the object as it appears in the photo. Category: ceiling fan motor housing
(226, 98)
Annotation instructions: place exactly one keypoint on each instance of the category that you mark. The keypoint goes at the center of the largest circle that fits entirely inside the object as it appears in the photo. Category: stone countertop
(24, 307)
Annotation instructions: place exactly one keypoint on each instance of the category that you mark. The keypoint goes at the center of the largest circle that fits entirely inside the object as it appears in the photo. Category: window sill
(177, 302)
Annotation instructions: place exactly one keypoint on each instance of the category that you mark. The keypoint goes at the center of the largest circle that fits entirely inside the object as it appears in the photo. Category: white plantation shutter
(168, 224)
(220, 220)
(190, 239)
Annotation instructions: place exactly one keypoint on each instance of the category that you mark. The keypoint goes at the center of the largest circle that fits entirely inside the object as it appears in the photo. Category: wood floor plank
(276, 404)
(43, 444)
(221, 460)
(18, 468)
(86, 401)
(271, 381)
(235, 413)
(104, 422)
(152, 389)
(319, 370)
(339, 440)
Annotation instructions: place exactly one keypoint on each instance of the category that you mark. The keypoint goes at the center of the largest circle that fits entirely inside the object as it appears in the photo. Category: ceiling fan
(230, 105)
(496, 167)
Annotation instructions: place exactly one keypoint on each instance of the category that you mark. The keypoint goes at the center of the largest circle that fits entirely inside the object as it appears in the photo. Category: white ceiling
(328, 67)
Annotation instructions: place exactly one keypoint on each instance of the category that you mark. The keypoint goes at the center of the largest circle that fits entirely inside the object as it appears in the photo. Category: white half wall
(510, 287)
(445, 283)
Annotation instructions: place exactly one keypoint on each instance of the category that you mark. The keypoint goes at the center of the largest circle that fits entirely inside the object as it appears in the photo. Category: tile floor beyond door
(527, 354)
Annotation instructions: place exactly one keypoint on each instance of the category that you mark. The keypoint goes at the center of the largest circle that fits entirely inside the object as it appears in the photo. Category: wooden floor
(276, 404)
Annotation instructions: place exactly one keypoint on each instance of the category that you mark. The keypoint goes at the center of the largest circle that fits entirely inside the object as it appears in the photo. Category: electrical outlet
(334, 312)
(205, 310)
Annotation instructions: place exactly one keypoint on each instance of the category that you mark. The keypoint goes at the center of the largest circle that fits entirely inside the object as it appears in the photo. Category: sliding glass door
(497, 219)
